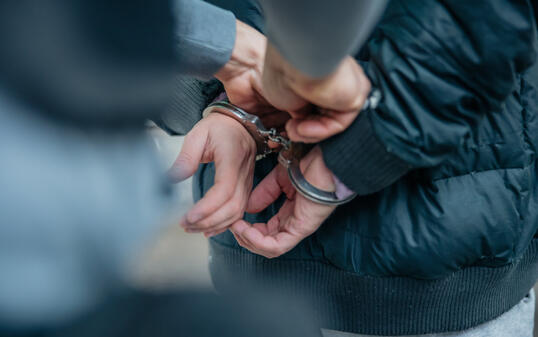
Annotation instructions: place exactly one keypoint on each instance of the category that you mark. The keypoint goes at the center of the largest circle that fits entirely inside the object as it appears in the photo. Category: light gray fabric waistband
(516, 322)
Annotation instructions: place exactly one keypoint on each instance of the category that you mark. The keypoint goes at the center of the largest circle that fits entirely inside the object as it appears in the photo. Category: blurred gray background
(174, 259)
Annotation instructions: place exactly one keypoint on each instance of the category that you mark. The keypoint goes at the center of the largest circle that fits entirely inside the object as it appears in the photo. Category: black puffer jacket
(442, 238)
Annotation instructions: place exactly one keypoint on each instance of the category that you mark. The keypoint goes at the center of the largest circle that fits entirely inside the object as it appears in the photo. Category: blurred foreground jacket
(108, 63)
(80, 187)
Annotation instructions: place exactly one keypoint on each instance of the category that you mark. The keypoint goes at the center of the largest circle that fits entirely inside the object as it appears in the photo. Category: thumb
(316, 128)
(269, 189)
(190, 157)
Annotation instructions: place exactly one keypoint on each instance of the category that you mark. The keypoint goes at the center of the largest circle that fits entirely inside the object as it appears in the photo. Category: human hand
(320, 107)
(224, 141)
(297, 218)
(242, 76)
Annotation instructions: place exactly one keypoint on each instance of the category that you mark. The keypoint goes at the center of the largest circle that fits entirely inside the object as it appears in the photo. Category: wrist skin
(340, 189)
(247, 55)
(344, 89)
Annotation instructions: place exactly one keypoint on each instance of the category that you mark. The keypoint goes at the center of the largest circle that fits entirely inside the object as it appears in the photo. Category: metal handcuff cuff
(291, 152)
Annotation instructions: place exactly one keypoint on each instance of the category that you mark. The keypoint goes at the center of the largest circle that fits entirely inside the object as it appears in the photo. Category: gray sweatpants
(516, 322)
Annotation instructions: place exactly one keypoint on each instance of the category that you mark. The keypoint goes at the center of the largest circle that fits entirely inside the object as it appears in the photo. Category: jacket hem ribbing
(392, 305)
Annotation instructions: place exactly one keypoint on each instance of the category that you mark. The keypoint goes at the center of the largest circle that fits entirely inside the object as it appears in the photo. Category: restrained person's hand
(320, 107)
(224, 141)
(297, 218)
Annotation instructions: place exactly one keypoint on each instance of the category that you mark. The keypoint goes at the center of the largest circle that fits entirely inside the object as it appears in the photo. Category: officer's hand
(320, 107)
(242, 75)
(297, 218)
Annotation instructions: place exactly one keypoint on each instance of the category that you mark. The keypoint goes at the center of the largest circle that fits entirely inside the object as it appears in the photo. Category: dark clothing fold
(442, 236)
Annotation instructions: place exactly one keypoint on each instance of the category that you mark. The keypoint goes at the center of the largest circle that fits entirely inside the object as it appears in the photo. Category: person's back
(451, 244)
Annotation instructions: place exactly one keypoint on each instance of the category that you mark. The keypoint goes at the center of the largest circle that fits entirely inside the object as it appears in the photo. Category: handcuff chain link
(288, 157)
(272, 135)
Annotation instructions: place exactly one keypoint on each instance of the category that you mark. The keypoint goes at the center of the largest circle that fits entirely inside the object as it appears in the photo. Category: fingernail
(194, 217)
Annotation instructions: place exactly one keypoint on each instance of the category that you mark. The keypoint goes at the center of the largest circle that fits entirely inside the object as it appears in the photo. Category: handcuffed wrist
(341, 190)
(251, 123)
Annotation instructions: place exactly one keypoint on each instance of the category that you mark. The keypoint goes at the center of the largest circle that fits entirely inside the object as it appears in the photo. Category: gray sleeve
(205, 37)
(314, 36)
(56, 230)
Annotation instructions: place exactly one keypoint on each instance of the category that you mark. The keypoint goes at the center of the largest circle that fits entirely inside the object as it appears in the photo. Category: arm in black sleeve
(190, 97)
(441, 66)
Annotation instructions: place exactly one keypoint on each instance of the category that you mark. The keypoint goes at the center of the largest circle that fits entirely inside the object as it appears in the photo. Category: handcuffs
(290, 153)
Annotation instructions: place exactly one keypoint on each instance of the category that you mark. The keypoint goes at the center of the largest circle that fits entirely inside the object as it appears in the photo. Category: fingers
(315, 128)
(226, 201)
(213, 233)
(233, 151)
(190, 157)
(295, 220)
(229, 163)
(314, 125)
(223, 217)
(271, 239)
(275, 119)
(344, 90)
(269, 189)
(341, 94)
(270, 246)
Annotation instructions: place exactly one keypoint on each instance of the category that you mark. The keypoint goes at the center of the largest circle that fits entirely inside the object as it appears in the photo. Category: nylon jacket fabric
(460, 106)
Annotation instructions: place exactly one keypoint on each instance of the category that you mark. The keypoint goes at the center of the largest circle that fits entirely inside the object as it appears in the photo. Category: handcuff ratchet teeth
(290, 153)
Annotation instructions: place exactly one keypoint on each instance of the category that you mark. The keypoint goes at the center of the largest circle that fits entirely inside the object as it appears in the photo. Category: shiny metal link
(290, 153)
(272, 135)
(252, 124)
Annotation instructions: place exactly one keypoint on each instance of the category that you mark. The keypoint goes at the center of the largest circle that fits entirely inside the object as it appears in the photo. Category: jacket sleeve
(441, 66)
(205, 37)
(314, 36)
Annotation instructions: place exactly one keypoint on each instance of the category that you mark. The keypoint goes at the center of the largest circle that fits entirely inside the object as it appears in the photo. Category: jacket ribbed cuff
(359, 159)
(191, 97)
